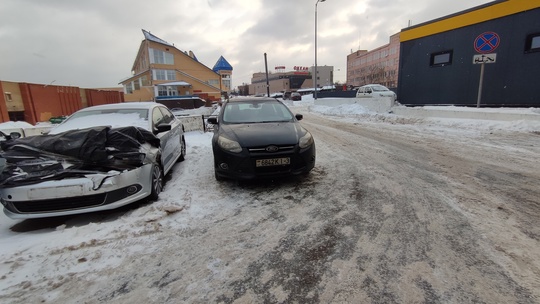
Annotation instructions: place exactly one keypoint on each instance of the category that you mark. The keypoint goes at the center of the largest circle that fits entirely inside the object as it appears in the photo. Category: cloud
(94, 43)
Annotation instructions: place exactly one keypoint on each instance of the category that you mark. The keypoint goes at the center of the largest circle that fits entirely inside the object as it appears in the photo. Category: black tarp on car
(72, 153)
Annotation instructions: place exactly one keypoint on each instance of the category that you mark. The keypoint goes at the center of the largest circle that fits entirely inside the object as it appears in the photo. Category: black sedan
(260, 138)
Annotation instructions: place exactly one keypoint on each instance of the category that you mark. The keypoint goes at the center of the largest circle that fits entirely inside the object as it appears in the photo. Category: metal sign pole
(267, 83)
(480, 85)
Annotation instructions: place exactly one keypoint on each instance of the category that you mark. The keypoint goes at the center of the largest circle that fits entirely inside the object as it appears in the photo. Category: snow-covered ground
(28, 254)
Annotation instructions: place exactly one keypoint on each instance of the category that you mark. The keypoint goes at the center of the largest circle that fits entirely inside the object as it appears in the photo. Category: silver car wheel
(157, 182)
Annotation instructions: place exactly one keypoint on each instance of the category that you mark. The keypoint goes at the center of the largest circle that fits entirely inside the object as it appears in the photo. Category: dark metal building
(441, 60)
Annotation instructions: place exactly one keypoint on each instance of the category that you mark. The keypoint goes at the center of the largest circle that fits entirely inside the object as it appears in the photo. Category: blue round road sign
(487, 42)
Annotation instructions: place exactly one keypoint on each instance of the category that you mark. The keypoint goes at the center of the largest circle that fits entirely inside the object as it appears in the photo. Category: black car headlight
(306, 140)
(229, 145)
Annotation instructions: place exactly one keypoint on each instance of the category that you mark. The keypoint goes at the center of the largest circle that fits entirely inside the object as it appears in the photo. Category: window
(159, 75)
(227, 83)
(172, 91)
(128, 89)
(164, 74)
(161, 57)
(162, 91)
(144, 81)
(213, 82)
(532, 44)
(157, 118)
(171, 75)
(167, 91)
(168, 117)
(137, 84)
(441, 59)
(8, 96)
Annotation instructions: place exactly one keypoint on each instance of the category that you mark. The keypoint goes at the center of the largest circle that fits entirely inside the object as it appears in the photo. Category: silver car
(100, 158)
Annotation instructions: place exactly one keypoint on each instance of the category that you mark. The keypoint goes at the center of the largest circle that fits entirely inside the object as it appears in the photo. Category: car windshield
(256, 112)
(379, 88)
(110, 117)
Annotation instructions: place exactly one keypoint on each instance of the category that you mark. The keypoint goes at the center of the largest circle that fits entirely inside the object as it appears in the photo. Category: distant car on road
(99, 158)
(277, 95)
(260, 138)
(296, 96)
(375, 90)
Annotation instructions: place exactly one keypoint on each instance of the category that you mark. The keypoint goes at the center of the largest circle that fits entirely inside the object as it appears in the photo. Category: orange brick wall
(4, 116)
(99, 97)
(41, 102)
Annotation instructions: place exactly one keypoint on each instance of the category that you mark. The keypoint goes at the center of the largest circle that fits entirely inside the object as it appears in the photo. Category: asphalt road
(392, 213)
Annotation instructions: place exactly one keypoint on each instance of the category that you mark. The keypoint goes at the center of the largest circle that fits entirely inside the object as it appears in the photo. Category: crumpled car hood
(75, 153)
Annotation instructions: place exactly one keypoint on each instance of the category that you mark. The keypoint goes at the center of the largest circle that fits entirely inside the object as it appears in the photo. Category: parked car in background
(375, 90)
(277, 95)
(260, 138)
(99, 158)
(296, 96)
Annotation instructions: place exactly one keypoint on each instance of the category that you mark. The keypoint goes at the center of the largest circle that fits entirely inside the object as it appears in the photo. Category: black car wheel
(157, 182)
(182, 156)
(218, 178)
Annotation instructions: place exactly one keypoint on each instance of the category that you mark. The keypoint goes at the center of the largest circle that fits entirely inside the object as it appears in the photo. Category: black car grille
(71, 203)
(265, 149)
(273, 169)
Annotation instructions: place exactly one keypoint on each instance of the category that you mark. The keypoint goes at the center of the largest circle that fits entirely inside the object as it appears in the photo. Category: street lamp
(315, 72)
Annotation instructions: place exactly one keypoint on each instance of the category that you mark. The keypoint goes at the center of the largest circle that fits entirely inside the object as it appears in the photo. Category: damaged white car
(100, 158)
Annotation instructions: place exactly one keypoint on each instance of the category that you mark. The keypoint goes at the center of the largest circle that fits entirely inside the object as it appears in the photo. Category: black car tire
(182, 156)
(218, 178)
(157, 182)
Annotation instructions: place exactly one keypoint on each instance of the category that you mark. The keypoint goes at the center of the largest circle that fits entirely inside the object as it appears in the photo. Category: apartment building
(380, 66)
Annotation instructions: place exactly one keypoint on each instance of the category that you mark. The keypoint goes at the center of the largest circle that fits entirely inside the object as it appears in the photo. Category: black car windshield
(256, 112)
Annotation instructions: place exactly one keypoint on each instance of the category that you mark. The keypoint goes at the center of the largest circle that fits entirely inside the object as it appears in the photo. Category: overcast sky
(93, 43)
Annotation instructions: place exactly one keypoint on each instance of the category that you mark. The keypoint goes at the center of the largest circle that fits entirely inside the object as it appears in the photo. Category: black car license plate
(273, 162)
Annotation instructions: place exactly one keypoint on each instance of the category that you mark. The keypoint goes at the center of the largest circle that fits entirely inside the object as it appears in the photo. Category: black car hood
(263, 134)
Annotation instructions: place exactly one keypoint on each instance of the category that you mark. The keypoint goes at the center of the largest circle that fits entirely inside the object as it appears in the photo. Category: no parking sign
(486, 42)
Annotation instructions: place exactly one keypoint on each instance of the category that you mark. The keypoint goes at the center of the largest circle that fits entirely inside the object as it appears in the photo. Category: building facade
(280, 82)
(378, 66)
(441, 61)
(161, 71)
(325, 75)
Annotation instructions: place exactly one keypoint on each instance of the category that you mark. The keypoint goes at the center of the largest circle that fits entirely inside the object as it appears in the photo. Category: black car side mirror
(163, 128)
(299, 116)
(212, 120)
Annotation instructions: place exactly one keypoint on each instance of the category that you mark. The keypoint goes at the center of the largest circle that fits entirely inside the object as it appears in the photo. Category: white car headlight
(306, 140)
(229, 145)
